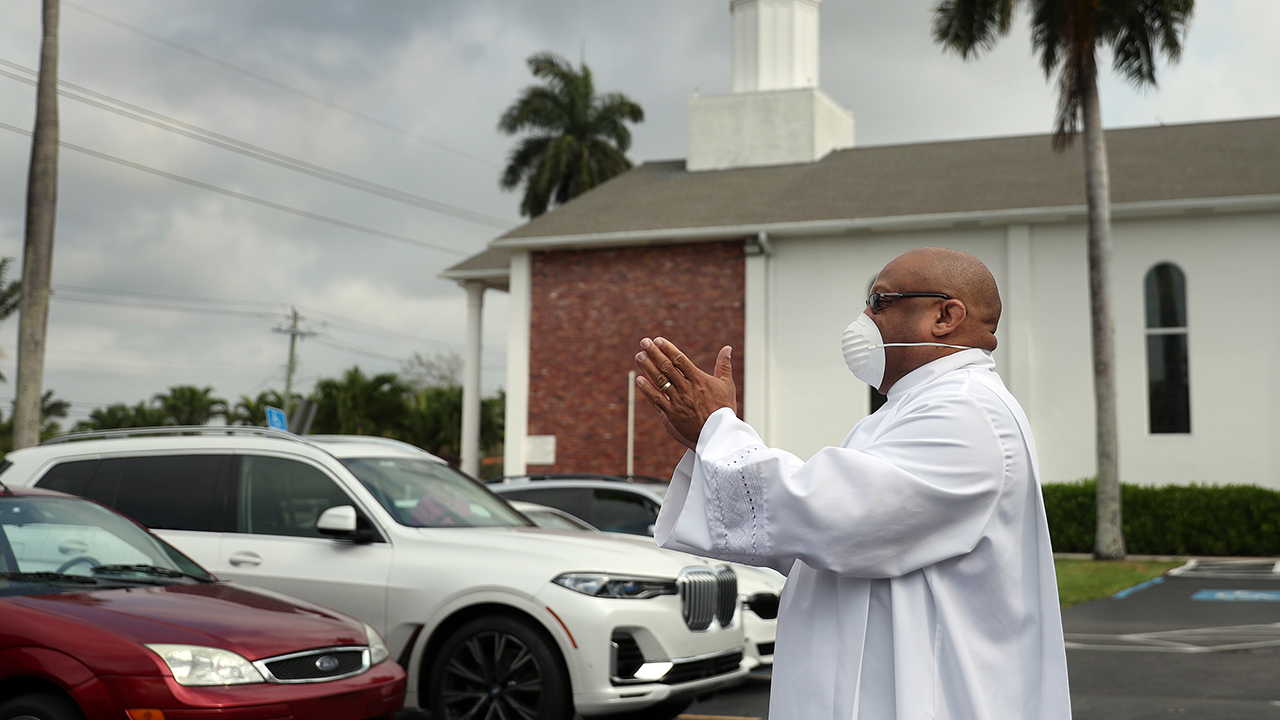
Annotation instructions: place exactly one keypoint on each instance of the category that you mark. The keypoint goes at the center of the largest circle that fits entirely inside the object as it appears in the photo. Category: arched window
(1168, 389)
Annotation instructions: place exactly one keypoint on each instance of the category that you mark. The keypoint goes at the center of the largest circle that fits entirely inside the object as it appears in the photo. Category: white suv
(490, 616)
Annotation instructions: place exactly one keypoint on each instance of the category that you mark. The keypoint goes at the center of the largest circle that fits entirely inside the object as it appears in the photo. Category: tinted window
(575, 501)
(624, 512)
(169, 492)
(69, 477)
(285, 497)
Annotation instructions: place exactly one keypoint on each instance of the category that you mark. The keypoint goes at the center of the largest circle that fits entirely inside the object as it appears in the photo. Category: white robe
(920, 581)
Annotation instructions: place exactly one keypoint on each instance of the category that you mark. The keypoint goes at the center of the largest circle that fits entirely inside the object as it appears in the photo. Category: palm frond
(523, 159)
(1140, 30)
(970, 27)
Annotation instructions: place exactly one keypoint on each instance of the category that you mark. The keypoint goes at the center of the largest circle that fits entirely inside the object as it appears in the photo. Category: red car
(101, 619)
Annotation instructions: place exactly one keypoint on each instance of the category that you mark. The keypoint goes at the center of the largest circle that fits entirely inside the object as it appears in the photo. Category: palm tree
(357, 404)
(120, 415)
(578, 138)
(37, 256)
(1068, 34)
(10, 298)
(190, 405)
(253, 411)
(10, 292)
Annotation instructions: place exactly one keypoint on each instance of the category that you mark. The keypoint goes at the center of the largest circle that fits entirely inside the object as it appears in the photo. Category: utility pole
(294, 333)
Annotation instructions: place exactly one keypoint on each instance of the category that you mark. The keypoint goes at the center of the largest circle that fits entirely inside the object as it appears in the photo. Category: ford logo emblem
(327, 663)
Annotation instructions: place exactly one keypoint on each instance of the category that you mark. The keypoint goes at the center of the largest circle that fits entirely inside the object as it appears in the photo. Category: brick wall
(589, 310)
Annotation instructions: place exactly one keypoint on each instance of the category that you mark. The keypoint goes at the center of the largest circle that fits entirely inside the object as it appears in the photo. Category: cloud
(440, 73)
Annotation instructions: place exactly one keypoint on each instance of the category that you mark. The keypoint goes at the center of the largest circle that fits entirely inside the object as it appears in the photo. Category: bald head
(955, 273)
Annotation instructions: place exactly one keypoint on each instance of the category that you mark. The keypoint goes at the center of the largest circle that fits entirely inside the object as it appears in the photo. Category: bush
(1170, 520)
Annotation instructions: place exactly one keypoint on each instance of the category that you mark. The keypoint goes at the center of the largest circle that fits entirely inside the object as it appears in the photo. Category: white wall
(816, 286)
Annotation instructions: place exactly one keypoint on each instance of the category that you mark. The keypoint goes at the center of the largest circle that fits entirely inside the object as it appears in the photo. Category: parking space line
(1189, 641)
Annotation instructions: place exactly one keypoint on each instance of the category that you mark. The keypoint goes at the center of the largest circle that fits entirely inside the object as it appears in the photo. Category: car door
(182, 498)
(277, 546)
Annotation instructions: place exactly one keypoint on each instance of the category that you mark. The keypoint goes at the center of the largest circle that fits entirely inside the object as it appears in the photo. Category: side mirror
(343, 523)
(339, 520)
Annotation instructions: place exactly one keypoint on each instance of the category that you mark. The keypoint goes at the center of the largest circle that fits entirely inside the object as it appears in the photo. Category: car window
(624, 512)
(166, 492)
(575, 501)
(69, 477)
(284, 497)
(53, 534)
(421, 493)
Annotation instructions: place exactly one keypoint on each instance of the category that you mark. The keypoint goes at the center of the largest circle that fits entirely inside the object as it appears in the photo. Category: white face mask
(863, 348)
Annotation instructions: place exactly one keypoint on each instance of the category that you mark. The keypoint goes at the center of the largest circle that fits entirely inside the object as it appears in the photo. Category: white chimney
(775, 44)
(776, 114)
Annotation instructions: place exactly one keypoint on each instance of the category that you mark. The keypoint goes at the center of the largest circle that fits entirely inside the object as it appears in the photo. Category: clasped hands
(684, 395)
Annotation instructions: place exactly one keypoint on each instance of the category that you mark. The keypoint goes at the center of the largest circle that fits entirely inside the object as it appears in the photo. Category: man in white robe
(920, 580)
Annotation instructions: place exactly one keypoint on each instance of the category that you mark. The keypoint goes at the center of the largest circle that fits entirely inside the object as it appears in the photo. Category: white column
(517, 414)
(755, 364)
(471, 401)
(1016, 298)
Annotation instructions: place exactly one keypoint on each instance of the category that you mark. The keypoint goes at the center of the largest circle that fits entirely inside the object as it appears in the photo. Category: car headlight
(195, 665)
(616, 586)
(377, 648)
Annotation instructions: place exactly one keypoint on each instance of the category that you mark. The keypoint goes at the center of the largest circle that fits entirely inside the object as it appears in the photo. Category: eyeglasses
(880, 301)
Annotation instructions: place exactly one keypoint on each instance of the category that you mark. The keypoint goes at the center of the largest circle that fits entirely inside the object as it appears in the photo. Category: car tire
(40, 706)
(501, 661)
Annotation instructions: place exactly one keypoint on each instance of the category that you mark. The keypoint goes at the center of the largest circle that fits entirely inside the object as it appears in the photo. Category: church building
(768, 236)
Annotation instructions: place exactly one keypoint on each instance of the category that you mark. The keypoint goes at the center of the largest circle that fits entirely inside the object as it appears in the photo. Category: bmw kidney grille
(707, 595)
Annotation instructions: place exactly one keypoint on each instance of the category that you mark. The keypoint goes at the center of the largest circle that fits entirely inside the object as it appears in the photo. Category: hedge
(1170, 520)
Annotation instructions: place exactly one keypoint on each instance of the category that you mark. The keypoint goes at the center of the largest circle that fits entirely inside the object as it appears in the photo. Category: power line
(358, 351)
(164, 302)
(248, 198)
(209, 137)
(159, 306)
(279, 85)
(163, 296)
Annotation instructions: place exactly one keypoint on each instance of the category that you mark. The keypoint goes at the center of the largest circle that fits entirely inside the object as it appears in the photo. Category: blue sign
(276, 419)
(1238, 595)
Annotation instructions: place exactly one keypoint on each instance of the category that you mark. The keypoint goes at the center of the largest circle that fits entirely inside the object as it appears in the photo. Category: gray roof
(1233, 159)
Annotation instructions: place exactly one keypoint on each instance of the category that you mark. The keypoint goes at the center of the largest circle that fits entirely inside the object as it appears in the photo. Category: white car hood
(547, 553)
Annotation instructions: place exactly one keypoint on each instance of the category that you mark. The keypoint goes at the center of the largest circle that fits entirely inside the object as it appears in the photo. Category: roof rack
(176, 430)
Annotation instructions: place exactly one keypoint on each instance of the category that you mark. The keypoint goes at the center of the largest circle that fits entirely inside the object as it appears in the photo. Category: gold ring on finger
(665, 385)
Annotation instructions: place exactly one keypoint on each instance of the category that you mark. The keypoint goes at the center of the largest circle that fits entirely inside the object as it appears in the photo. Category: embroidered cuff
(736, 516)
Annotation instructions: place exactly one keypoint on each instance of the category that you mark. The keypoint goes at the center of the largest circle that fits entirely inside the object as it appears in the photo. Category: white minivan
(490, 616)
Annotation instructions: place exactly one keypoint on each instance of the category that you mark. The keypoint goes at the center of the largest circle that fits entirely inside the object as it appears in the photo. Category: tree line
(421, 405)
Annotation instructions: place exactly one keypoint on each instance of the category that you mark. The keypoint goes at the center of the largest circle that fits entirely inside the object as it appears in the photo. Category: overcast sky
(175, 259)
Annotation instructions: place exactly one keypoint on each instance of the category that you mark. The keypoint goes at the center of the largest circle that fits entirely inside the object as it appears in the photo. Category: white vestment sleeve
(921, 491)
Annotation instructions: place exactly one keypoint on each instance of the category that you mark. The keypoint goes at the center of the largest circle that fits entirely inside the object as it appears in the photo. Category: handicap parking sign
(276, 419)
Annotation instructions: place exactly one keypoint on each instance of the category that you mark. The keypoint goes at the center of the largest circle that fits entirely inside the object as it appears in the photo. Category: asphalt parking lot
(1202, 644)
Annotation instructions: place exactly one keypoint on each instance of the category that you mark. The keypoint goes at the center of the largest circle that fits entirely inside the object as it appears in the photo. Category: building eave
(936, 221)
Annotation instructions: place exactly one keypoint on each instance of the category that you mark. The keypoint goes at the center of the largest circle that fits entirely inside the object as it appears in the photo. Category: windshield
(421, 493)
(75, 537)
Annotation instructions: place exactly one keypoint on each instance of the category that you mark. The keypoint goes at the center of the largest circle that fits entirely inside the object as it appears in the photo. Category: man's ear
(951, 314)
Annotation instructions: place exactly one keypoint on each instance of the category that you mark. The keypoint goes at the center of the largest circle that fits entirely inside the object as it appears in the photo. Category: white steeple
(776, 115)
(775, 44)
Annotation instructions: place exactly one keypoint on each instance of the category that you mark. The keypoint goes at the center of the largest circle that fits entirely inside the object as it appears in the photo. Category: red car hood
(255, 623)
